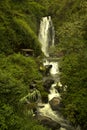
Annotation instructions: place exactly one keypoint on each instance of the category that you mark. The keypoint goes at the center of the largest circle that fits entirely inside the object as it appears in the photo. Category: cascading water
(46, 34)
(46, 38)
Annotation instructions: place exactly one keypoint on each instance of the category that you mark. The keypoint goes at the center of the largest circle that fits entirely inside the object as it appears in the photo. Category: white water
(47, 41)
(54, 70)
(48, 112)
(46, 34)
(53, 93)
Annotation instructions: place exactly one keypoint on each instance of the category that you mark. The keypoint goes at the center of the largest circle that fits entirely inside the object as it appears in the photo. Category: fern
(34, 96)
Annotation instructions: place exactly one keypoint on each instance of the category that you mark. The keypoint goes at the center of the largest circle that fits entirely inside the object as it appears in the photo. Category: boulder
(47, 69)
(47, 83)
(55, 103)
(48, 122)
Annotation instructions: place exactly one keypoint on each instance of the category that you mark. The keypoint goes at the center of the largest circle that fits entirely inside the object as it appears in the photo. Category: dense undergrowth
(19, 24)
(16, 74)
(69, 17)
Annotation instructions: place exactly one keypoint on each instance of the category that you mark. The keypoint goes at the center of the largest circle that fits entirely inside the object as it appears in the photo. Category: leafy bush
(19, 23)
(71, 39)
(16, 73)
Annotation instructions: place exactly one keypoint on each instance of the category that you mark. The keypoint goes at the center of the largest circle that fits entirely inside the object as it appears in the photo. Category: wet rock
(48, 122)
(45, 98)
(55, 103)
(47, 83)
(47, 69)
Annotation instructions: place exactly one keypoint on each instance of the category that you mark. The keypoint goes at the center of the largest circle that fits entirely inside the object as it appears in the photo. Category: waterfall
(46, 34)
(46, 38)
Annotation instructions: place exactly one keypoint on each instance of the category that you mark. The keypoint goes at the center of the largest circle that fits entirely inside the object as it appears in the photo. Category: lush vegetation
(19, 22)
(19, 25)
(16, 74)
(70, 18)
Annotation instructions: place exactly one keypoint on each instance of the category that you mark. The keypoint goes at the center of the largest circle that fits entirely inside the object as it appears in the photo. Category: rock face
(48, 122)
(55, 103)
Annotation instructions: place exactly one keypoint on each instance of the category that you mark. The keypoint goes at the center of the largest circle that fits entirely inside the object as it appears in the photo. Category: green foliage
(31, 124)
(29, 35)
(71, 39)
(74, 74)
(8, 118)
(19, 22)
(16, 73)
(33, 96)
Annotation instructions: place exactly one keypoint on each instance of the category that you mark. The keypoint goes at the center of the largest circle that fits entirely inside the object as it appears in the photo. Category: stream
(46, 38)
